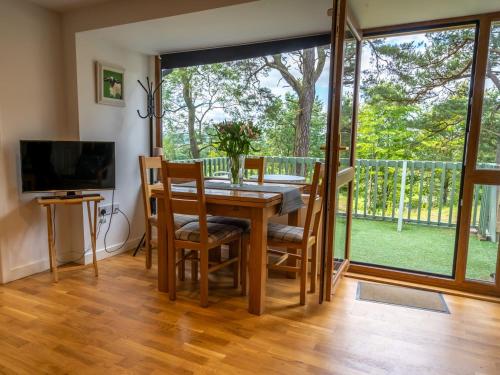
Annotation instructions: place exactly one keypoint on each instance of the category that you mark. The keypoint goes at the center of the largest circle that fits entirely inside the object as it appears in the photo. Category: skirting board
(42, 265)
(102, 254)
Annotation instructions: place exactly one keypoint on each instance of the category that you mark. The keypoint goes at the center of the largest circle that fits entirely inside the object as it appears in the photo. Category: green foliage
(414, 101)
(194, 97)
(234, 138)
(278, 133)
(415, 98)
(422, 248)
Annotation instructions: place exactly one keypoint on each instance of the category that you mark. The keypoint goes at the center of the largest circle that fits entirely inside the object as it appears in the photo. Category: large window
(284, 94)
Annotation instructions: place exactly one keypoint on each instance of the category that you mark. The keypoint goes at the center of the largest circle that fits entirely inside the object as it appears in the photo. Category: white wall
(31, 107)
(120, 125)
(47, 92)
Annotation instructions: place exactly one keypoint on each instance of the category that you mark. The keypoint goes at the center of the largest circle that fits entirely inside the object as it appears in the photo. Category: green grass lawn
(416, 247)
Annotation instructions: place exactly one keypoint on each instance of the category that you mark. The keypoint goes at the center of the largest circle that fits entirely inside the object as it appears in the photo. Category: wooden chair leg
(215, 254)
(194, 267)
(171, 269)
(314, 267)
(234, 252)
(182, 265)
(245, 240)
(303, 275)
(204, 278)
(149, 251)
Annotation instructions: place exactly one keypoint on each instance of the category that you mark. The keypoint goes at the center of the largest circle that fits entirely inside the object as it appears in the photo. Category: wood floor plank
(120, 324)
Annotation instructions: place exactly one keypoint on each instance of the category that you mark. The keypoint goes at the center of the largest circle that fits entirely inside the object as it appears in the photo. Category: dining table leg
(162, 247)
(257, 261)
(293, 220)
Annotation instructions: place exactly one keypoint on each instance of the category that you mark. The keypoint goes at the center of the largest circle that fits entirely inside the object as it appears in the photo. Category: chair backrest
(146, 163)
(258, 164)
(315, 205)
(189, 204)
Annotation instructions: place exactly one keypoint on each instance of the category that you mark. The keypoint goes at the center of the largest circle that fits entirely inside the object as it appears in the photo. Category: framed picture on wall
(110, 84)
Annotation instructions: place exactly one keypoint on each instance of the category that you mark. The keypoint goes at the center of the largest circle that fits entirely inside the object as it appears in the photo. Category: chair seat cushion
(284, 233)
(235, 222)
(180, 220)
(216, 232)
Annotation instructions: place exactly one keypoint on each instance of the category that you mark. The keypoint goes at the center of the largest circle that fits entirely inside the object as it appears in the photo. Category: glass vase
(236, 169)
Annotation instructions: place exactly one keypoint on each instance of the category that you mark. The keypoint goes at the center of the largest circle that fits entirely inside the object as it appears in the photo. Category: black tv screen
(67, 166)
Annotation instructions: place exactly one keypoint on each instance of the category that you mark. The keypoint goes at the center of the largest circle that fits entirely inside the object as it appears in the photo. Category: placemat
(291, 196)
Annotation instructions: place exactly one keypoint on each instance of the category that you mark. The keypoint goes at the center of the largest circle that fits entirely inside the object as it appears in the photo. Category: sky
(279, 87)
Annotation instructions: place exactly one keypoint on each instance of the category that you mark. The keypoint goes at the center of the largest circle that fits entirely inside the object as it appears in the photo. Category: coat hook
(150, 99)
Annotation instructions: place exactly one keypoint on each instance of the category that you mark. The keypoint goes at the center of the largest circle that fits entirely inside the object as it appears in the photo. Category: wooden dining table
(258, 207)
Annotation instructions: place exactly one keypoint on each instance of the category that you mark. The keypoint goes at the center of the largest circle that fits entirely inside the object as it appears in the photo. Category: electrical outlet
(105, 210)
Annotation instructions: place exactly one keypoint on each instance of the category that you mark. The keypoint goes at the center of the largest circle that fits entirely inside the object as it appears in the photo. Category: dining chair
(257, 164)
(244, 224)
(147, 163)
(200, 236)
(300, 238)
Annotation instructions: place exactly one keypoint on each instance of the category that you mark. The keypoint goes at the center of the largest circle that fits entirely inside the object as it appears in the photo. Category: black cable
(128, 232)
(109, 226)
(110, 220)
(85, 251)
(99, 227)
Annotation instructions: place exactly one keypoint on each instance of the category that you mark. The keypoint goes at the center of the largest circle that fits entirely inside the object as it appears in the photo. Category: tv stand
(84, 199)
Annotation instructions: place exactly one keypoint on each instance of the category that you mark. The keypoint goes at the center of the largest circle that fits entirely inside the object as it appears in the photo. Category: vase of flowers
(236, 165)
(235, 139)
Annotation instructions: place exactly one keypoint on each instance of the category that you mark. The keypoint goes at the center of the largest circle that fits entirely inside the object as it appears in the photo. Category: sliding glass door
(426, 202)
(410, 147)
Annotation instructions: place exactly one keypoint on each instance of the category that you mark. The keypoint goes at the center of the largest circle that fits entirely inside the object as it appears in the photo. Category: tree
(301, 70)
(490, 131)
(194, 97)
(278, 139)
(434, 75)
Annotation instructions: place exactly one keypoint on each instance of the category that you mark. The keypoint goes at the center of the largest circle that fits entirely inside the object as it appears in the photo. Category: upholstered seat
(243, 224)
(179, 220)
(284, 233)
(216, 232)
(298, 241)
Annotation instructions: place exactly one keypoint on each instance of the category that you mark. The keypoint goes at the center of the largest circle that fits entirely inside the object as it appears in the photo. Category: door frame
(342, 20)
(470, 175)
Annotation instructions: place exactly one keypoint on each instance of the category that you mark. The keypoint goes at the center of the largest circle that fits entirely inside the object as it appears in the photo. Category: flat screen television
(67, 166)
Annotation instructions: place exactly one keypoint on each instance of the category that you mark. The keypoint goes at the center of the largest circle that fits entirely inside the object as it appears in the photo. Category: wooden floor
(121, 324)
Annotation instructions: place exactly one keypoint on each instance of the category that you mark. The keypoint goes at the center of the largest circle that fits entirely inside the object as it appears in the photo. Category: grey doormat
(402, 296)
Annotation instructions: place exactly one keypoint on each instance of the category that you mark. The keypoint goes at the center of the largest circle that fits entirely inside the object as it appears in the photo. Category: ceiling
(246, 23)
(66, 5)
(374, 13)
(266, 20)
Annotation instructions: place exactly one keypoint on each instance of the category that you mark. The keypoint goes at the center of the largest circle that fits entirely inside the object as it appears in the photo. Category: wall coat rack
(150, 100)
(150, 114)
(150, 111)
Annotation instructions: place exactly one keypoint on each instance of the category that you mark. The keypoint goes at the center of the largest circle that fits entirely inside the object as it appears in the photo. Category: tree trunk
(188, 99)
(498, 152)
(306, 102)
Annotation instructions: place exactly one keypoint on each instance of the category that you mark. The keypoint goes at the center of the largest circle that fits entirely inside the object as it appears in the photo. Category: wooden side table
(85, 200)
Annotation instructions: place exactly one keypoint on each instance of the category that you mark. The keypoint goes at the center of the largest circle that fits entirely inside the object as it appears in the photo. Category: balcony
(419, 237)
